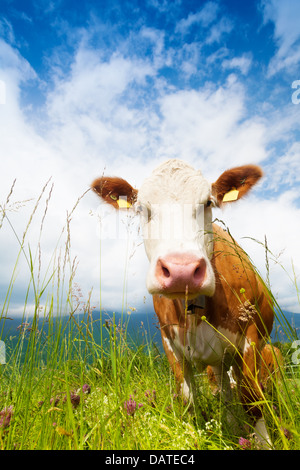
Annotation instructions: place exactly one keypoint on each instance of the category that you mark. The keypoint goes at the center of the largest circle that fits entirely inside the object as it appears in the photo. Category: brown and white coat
(189, 257)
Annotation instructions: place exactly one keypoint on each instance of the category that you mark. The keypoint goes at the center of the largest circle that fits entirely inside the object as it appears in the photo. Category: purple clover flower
(244, 443)
(54, 400)
(86, 388)
(151, 397)
(5, 416)
(75, 399)
(287, 433)
(131, 405)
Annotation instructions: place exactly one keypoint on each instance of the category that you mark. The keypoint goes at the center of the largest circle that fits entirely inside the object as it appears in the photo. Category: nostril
(165, 271)
(199, 272)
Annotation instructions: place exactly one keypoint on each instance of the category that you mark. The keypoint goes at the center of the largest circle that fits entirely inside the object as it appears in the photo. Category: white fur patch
(206, 346)
(175, 219)
(262, 435)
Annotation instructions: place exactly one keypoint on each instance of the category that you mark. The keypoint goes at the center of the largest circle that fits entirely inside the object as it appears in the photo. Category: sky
(116, 87)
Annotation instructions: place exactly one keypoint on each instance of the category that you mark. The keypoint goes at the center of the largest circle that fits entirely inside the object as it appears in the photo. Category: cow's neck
(195, 304)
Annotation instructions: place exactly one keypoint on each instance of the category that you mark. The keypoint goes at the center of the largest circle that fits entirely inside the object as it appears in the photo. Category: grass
(74, 380)
(122, 399)
(126, 401)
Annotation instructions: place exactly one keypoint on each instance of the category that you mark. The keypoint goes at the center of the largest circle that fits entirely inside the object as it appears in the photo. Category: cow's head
(175, 206)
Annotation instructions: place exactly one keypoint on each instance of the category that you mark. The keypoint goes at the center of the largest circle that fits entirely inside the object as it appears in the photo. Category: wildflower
(287, 433)
(86, 388)
(54, 400)
(244, 443)
(213, 426)
(24, 327)
(247, 311)
(131, 309)
(130, 406)
(5, 416)
(75, 399)
(151, 396)
(169, 409)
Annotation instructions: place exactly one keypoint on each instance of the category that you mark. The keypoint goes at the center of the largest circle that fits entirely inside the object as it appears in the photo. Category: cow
(271, 366)
(212, 306)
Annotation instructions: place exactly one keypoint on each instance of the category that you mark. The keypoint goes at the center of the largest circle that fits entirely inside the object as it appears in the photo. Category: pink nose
(180, 274)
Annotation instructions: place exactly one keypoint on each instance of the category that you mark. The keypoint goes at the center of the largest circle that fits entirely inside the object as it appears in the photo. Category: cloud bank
(119, 110)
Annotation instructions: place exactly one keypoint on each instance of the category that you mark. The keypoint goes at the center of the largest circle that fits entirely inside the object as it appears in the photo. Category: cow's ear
(235, 183)
(115, 191)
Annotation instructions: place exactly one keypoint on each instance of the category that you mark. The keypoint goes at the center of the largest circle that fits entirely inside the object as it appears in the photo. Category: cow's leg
(181, 369)
(250, 388)
(223, 381)
(224, 385)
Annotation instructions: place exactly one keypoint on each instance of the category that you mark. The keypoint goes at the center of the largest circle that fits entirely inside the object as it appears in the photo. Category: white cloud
(242, 63)
(101, 117)
(209, 125)
(188, 59)
(218, 30)
(287, 169)
(6, 31)
(88, 129)
(203, 17)
(164, 5)
(14, 64)
(277, 219)
(285, 16)
(93, 84)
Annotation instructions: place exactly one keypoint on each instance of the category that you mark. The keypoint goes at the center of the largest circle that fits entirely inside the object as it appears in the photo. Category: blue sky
(195, 41)
(118, 87)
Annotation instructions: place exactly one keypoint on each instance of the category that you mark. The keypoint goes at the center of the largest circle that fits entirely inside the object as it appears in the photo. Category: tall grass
(73, 378)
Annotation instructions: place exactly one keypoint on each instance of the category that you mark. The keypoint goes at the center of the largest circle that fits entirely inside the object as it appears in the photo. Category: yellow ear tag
(123, 204)
(231, 195)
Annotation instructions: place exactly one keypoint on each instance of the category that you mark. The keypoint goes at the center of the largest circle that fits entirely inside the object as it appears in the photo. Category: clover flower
(131, 405)
(55, 400)
(5, 416)
(244, 443)
(86, 388)
(151, 397)
(75, 399)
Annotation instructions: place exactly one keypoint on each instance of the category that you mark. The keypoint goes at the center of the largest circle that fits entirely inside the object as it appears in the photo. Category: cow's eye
(209, 203)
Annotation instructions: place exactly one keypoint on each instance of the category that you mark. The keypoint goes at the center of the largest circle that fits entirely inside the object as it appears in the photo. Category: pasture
(62, 390)
(75, 378)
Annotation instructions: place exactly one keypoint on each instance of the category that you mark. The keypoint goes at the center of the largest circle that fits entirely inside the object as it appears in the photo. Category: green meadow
(75, 378)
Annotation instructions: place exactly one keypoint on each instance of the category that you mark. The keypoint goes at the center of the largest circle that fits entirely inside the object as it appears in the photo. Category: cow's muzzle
(182, 275)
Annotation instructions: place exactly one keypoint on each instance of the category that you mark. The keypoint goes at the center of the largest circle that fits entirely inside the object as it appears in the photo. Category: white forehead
(177, 182)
